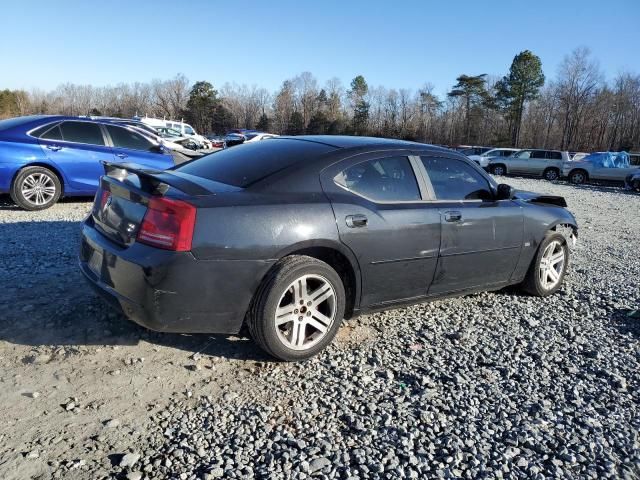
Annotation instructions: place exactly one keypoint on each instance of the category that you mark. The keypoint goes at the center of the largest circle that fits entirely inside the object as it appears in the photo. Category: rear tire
(498, 170)
(35, 188)
(297, 309)
(578, 177)
(551, 174)
(548, 268)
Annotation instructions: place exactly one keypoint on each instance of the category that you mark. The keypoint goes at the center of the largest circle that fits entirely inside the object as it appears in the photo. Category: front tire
(551, 174)
(498, 170)
(547, 271)
(36, 188)
(298, 308)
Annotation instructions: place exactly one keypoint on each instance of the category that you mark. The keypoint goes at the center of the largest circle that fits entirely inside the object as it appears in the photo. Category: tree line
(576, 109)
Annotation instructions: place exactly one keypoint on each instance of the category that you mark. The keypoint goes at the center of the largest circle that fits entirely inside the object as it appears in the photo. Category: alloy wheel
(38, 188)
(577, 178)
(552, 265)
(551, 175)
(498, 171)
(306, 311)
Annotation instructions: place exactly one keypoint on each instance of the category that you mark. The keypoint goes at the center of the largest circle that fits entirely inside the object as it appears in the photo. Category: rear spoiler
(156, 182)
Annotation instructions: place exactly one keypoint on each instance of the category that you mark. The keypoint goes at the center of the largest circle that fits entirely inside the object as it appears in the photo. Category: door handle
(122, 155)
(55, 148)
(355, 221)
(452, 216)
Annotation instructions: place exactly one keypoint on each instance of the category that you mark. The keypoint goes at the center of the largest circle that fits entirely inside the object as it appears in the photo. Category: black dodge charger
(292, 235)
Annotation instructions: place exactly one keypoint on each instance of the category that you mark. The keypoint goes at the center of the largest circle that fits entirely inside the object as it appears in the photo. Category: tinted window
(40, 130)
(188, 130)
(53, 134)
(455, 180)
(554, 155)
(82, 132)
(246, 164)
(539, 154)
(387, 179)
(125, 138)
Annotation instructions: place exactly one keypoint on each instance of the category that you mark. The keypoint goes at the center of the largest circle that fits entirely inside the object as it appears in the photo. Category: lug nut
(309, 303)
(308, 314)
(300, 318)
(295, 311)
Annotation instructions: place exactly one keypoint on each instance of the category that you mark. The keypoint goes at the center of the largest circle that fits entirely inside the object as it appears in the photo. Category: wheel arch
(46, 165)
(341, 259)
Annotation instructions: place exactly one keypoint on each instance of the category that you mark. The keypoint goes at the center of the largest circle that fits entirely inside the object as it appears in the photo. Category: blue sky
(400, 44)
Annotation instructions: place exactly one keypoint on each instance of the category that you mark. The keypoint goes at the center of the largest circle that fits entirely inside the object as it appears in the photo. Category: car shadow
(627, 321)
(45, 301)
(7, 204)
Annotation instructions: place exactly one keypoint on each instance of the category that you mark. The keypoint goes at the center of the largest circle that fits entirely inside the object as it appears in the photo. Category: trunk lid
(126, 190)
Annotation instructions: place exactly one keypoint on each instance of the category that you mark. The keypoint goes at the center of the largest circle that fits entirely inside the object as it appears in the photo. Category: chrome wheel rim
(578, 178)
(552, 175)
(38, 188)
(552, 265)
(306, 312)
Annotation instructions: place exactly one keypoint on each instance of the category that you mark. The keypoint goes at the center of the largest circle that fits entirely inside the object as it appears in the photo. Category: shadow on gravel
(45, 301)
(7, 204)
(627, 321)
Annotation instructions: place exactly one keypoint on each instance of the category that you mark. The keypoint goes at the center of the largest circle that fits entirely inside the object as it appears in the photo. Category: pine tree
(473, 91)
(358, 92)
(264, 124)
(521, 85)
(201, 106)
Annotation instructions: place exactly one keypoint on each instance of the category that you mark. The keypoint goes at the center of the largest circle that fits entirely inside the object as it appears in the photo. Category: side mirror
(505, 192)
(157, 149)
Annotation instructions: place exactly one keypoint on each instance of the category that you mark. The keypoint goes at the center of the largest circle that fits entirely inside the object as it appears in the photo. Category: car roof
(346, 141)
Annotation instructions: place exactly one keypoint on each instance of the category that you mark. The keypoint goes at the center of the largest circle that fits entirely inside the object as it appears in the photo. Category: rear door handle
(355, 221)
(55, 148)
(452, 216)
(122, 155)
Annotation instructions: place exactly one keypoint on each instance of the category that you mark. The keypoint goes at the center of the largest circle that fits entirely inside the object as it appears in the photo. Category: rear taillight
(104, 196)
(168, 224)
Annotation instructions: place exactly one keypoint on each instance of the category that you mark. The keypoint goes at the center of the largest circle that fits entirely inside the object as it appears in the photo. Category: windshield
(188, 130)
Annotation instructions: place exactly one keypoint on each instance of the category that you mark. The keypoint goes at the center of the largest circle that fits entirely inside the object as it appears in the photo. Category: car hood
(533, 197)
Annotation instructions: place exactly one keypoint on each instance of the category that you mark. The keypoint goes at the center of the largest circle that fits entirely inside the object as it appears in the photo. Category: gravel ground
(495, 385)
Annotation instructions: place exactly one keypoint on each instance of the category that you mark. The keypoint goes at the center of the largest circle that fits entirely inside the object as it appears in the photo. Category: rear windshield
(243, 165)
(14, 122)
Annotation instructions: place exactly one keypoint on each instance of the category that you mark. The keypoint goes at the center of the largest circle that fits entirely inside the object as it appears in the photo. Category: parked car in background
(233, 139)
(577, 155)
(600, 166)
(45, 157)
(541, 163)
(185, 129)
(217, 141)
(632, 182)
(316, 229)
(634, 158)
(468, 151)
(483, 159)
(258, 136)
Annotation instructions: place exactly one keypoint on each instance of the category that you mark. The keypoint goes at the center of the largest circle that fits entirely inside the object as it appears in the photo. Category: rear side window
(53, 133)
(386, 180)
(244, 165)
(539, 154)
(124, 138)
(523, 154)
(454, 180)
(554, 155)
(82, 132)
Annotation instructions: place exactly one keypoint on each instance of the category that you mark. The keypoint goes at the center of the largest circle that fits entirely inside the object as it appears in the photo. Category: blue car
(46, 157)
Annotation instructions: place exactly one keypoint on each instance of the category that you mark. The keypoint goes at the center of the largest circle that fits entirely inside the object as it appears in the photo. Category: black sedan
(292, 235)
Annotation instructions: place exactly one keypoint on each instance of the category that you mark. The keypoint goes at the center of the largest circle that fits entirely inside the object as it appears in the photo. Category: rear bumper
(170, 291)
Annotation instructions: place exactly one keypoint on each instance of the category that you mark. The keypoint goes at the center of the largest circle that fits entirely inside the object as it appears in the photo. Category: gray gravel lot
(495, 385)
